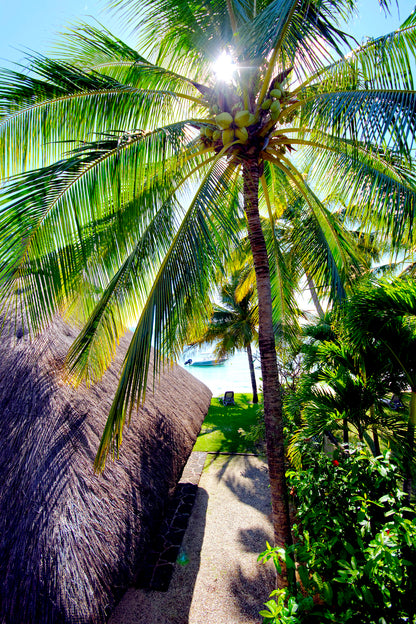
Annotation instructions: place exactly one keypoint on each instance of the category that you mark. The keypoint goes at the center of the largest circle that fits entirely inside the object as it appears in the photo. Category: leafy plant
(354, 543)
(282, 610)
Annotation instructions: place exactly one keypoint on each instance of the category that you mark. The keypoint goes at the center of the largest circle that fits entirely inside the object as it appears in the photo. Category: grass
(223, 427)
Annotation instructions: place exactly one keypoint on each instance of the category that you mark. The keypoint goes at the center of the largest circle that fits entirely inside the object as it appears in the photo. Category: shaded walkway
(217, 578)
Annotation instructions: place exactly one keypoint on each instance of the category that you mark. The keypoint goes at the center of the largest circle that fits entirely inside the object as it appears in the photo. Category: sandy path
(219, 580)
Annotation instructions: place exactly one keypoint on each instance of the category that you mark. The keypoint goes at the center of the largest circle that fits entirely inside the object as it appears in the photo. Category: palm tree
(384, 313)
(233, 324)
(126, 176)
(308, 257)
(342, 384)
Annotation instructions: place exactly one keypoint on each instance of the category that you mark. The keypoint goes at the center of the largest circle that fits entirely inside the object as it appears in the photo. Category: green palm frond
(313, 36)
(381, 63)
(327, 234)
(260, 35)
(178, 291)
(377, 185)
(372, 116)
(283, 282)
(387, 303)
(100, 51)
(187, 36)
(69, 104)
(85, 45)
(384, 313)
(190, 27)
(66, 209)
(322, 417)
(330, 271)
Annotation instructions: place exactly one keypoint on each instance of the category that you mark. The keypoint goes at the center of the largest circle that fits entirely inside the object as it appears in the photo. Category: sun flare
(224, 67)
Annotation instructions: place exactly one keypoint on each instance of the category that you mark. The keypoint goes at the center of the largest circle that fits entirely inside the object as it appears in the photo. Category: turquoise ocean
(233, 374)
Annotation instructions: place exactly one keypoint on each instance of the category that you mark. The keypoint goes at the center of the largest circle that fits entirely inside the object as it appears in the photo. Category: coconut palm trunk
(271, 386)
(252, 373)
(314, 296)
(345, 436)
(376, 440)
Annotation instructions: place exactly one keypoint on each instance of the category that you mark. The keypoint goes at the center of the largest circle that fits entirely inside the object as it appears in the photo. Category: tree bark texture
(376, 440)
(345, 431)
(252, 374)
(273, 415)
(314, 296)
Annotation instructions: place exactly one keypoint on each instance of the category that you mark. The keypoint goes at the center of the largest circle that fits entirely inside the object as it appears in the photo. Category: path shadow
(250, 486)
(254, 540)
(249, 590)
(172, 604)
(226, 459)
(249, 593)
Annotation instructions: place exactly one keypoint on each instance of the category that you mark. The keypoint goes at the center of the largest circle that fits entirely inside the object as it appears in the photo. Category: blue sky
(34, 25)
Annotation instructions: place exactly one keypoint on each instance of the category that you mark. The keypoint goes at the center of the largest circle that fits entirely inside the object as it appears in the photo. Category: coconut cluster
(273, 102)
(235, 126)
(229, 128)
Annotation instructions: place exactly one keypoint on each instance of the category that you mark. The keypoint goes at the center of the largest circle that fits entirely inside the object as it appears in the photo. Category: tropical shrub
(354, 545)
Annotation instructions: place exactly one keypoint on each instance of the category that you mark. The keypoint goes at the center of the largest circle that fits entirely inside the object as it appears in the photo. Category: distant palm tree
(133, 173)
(233, 324)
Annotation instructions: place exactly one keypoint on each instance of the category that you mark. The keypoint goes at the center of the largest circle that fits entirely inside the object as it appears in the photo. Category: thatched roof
(71, 541)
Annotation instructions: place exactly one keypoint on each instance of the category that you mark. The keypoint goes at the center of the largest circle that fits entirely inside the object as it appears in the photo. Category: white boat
(205, 359)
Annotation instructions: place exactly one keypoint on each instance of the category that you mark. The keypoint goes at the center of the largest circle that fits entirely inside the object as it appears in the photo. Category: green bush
(355, 544)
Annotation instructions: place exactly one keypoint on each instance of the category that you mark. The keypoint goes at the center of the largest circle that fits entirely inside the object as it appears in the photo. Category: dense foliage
(355, 544)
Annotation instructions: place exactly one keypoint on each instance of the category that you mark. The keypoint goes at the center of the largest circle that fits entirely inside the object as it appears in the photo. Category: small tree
(233, 324)
(342, 386)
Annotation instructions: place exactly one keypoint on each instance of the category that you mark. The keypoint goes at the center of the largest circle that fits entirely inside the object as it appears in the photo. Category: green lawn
(220, 430)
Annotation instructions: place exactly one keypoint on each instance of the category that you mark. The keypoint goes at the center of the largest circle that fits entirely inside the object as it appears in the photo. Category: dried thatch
(71, 541)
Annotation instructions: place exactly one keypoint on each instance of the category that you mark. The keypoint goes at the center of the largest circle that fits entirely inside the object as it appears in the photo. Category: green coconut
(276, 93)
(266, 104)
(223, 120)
(227, 136)
(275, 110)
(242, 118)
(275, 107)
(241, 134)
